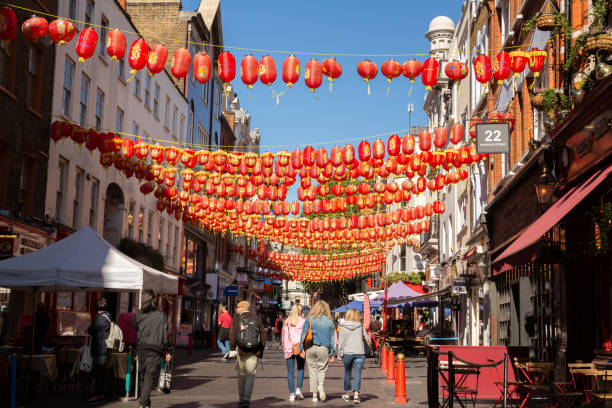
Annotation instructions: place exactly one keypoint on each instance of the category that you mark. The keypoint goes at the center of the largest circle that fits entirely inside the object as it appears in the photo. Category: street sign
(459, 286)
(230, 291)
(493, 137)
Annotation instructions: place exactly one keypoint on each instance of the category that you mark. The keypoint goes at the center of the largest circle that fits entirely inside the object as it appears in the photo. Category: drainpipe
(567, 77)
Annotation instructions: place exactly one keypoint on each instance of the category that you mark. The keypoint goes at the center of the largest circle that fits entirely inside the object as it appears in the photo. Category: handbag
(308, 337)
(295, 347)
(165, 376)
(367, 347)
(86, 361)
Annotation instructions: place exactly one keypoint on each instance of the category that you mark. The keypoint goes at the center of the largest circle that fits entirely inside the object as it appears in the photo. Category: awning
(522, 250)
(415, 298)
(470, 253)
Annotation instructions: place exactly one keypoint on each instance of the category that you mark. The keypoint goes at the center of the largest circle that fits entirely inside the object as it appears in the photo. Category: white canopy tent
(83, 260)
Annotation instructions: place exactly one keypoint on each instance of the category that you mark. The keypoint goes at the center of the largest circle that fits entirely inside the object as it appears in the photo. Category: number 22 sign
(493, 138)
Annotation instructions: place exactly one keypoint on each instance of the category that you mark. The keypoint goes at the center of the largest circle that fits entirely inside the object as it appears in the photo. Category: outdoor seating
(534, 389)
(604, 394)
(460, 390)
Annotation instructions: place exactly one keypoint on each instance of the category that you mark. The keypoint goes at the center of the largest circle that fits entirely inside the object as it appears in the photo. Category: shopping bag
(86, 361)
(165, 376)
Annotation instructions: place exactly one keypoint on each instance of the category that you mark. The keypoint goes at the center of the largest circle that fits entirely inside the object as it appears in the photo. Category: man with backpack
(248, 335)
(152, 327)
(99, 332)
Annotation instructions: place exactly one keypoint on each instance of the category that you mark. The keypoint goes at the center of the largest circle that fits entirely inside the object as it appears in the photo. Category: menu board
(182, 337)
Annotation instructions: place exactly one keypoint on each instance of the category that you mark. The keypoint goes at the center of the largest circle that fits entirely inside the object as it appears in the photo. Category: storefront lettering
(599, 129)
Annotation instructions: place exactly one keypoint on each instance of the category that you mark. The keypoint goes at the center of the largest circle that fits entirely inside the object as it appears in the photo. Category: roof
(441, 23)
(208, 10)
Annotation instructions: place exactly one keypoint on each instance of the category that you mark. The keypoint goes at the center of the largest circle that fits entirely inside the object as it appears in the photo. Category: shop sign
(584, 148)
(182, 335)
(242, 279)
(459, 286)
(493, 138)
(230, 291)
(212, 280)
(7, 246)
(27, 245)
(259, 286)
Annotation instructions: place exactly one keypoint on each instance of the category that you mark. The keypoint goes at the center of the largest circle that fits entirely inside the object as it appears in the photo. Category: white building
(101, 93)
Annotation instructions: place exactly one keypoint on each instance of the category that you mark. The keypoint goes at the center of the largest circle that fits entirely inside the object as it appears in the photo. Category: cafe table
(461, 373)
(45, 364)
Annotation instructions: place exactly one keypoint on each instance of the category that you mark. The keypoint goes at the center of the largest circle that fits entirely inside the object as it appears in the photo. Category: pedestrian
(41, 326)
(152, 327)
(248, 337)
(99, 332)
(291, 334)
(352, 352)
(278, 327)
(376, 325)
(319, 352)
(224, 323)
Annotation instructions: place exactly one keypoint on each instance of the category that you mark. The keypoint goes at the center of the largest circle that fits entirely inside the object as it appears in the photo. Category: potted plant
(599, 35)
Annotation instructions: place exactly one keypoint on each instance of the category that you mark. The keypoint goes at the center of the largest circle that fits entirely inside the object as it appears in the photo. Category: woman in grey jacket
(351, 350)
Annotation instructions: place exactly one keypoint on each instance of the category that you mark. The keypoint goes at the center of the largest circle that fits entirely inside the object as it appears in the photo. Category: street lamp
(544, 189)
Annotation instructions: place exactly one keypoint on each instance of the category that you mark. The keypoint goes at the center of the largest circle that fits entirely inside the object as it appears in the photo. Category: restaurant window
(83, 100)
(147, 91)
(188, 262)
(62, 175)
(103, 34)
(141, 224)
(137, 84)
(93, 203)
(99, 108)
(34, 78)
(67, 90)
(130, 220)
(77, 197)
(156, 101)
(8, 64)
(89, 10)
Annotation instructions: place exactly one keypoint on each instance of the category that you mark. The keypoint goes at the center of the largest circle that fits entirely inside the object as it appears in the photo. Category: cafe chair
(603, 397)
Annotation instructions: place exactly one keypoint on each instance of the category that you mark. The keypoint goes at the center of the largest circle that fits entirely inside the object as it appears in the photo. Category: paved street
(204, 380)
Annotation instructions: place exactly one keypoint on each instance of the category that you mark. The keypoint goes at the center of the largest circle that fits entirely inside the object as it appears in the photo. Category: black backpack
(249, 335)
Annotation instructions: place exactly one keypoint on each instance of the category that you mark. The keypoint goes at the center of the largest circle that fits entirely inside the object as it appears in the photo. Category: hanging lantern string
(266, 51)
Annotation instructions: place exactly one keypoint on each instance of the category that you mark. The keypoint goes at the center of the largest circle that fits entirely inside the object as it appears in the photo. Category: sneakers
(356, 398)
(291, 397)
(232, 353)
(346, 396)
(322, 392)
(298, 394)
(244, 404)
(315, 398)
(225, 356)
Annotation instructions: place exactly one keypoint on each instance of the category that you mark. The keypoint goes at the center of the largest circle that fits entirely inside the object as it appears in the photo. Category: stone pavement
(204, 380)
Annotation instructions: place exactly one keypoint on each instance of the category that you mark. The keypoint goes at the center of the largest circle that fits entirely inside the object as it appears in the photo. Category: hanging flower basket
(597, 42)
(537, 100)
(545, 22)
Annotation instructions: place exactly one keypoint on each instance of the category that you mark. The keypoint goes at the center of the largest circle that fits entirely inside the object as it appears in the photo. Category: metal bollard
(400, 380)
(13, 381)
(383, 359)
(391, 367)
(451, 380)
(505, 380)
(128, 378)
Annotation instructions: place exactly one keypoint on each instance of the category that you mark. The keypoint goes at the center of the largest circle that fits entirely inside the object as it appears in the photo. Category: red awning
(522, 251)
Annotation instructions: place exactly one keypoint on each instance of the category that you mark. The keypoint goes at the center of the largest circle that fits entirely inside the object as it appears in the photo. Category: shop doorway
(114, 206)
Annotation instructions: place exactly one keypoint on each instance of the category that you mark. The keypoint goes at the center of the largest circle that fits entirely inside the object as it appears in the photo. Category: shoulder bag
(367, 348)
(295, 347)
(308, 337)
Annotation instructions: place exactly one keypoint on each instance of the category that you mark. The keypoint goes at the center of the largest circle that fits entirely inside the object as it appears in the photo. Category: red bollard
(213, 342)
(400, 380)
(383, 359)
(190, 346)
(391, 367)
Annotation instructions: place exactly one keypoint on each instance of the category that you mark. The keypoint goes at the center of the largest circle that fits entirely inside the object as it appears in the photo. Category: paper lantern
(408, 144)
(424, 140)
(429, 75)
(291, 70)
(309, 156)
(8, 24)
(348, 155)
(364, 150)
(115, 44)
(332, 69)
(267, 70)
(226, 67)
(181, 61)
(34, 28)
(391, 69)
(86, 46)
(367, 70)
(321, 158)
(518, 60)
(138, 56)
(394, 144)
(508, 117)
(412, 69)
(456, 70)
(313, 74)
(482, 68)
(456, 133)
(537, 58)
(440, 137)
(61, 31)
(157, 59)
(202, 67)
(501, 67)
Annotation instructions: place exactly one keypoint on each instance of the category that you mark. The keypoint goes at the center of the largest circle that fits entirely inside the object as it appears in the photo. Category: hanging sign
(7, 246)
(492, 138)
(230, 291)
(459, 286)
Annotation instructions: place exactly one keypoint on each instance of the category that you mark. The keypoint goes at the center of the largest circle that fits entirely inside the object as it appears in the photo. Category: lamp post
(410, 110)
(544, 189)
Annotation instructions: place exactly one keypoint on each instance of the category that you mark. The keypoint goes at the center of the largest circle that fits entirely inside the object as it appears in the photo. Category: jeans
(300, 372)
(99, 373)
(223, 346)
(351, 361)
(246, 366)
(149, 363)
(317, 359)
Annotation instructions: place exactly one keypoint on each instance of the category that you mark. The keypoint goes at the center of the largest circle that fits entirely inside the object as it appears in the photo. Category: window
(62, 175)
(145, 136)
(78, 195)
(156, 101)
(141, 224)
(72, 9)
(217, 100)
(121, 69)
(182, 128)
(168, 240)
(137, 84)
(191, 120)
(174, 114)
(99, 108)
(402, 258)
(103, 34)
(83, 101)
(26, 179)
(504, 14)
(175, 242)
(205, 92)
(34, 78)
(93, 202)
(130, 220)
(89, 10)
(202, 136)
(217, 139)
(8, 64)
(160, 234)
(135, 131)
(147, 91)
(167, 114)
(67, 91)
(119, 120)
(150, 229)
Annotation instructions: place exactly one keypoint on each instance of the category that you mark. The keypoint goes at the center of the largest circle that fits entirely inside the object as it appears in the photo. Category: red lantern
(440, 137)
(291, 70)
(367, 70)
(8, 24)
(501, 67)
(86, 47)
(35, 27)
(391, 69)
(332, 69)
(537, 58)
(456, 133)
(429, 75)
(365, 151)
(412, 69)
(61, 31)
(473, 122)
(348, 155)
(321, 158)
(227, 67)
(508, 117)
(267, 70)
(313, 74)
(378, 149)
(180, 63)
(482, 68)
(518, 61)
(424, 140)
(115, 44)
(394, 145)
(456, 70)
(202, 66)
(157, 59)
(138, 56)
(408, 144)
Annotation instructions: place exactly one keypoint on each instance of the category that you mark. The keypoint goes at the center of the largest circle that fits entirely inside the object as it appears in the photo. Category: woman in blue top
(319, 353)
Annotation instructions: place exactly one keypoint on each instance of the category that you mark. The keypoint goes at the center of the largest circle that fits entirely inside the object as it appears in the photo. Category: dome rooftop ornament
(441, 23)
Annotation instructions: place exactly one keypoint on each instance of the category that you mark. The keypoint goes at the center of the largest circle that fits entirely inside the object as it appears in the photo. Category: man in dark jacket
(152, 327)
(246, 362)
(99, 332)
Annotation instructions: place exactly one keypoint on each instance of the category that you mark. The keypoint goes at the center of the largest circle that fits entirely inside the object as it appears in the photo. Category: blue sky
(337, 26)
